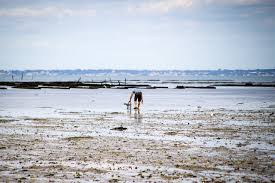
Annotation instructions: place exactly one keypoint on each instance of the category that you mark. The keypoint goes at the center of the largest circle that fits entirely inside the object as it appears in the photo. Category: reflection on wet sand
(136, 115)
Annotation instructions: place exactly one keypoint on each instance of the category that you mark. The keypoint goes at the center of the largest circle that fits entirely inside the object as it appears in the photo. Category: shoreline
(122, 85)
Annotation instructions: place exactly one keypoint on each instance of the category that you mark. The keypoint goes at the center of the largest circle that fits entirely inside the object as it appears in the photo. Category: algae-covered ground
(218, 145)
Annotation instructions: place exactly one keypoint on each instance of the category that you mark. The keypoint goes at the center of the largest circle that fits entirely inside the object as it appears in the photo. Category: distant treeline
(256, 72)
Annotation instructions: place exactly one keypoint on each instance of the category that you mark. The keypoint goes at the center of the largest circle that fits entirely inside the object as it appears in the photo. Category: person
(138, 98)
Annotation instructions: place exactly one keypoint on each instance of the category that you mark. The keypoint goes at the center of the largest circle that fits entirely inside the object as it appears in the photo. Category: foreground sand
(216, 145)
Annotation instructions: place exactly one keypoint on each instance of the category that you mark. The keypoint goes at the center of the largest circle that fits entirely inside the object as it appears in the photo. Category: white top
(136, 91)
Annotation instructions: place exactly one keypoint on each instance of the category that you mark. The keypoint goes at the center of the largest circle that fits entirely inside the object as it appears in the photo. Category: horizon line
(220, 69)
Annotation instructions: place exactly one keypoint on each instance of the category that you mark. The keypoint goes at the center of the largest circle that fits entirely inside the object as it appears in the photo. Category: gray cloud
(166, 6)
(240, 2)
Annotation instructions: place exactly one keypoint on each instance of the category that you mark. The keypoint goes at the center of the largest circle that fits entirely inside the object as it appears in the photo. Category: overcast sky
(136, 34)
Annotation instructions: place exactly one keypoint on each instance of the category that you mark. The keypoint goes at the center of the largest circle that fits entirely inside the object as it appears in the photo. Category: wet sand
(218, 145)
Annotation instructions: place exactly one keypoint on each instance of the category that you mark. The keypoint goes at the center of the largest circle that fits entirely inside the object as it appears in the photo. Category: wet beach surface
(190, 136)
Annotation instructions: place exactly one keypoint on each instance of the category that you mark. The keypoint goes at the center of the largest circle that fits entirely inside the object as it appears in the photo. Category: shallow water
(56, 102)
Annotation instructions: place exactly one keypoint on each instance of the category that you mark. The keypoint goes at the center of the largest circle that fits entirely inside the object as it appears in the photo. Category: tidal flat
(209, 146)
(203, 141)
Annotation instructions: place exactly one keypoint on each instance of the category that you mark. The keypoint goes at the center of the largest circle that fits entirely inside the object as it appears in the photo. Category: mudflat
(216, 145)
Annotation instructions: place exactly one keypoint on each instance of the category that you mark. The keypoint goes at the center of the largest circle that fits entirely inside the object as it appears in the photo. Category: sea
(257, 75)
(61, 102)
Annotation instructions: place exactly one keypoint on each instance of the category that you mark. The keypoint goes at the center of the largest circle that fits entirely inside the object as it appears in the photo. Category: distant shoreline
(89, 75)
(138, 70)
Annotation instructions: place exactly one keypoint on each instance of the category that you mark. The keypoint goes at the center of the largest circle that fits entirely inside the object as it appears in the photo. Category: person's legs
(139, 99)
(135, 101)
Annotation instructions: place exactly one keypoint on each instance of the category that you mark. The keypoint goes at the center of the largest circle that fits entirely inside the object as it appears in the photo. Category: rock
(170, 133)
(119, 128)
(50, 175)
(77, 175)
(240, 145)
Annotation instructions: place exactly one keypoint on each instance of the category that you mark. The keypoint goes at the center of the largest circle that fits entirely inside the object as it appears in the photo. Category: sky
(137, 34)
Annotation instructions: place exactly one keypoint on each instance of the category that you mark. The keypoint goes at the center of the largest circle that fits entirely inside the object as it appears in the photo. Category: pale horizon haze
(151, 34)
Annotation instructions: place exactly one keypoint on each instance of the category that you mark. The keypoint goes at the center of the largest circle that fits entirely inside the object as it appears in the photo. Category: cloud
(166, 6)
(47, 11)
(239, 2)
(160, 6)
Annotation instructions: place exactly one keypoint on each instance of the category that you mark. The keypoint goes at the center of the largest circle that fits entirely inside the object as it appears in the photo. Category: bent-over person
(138, 98)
